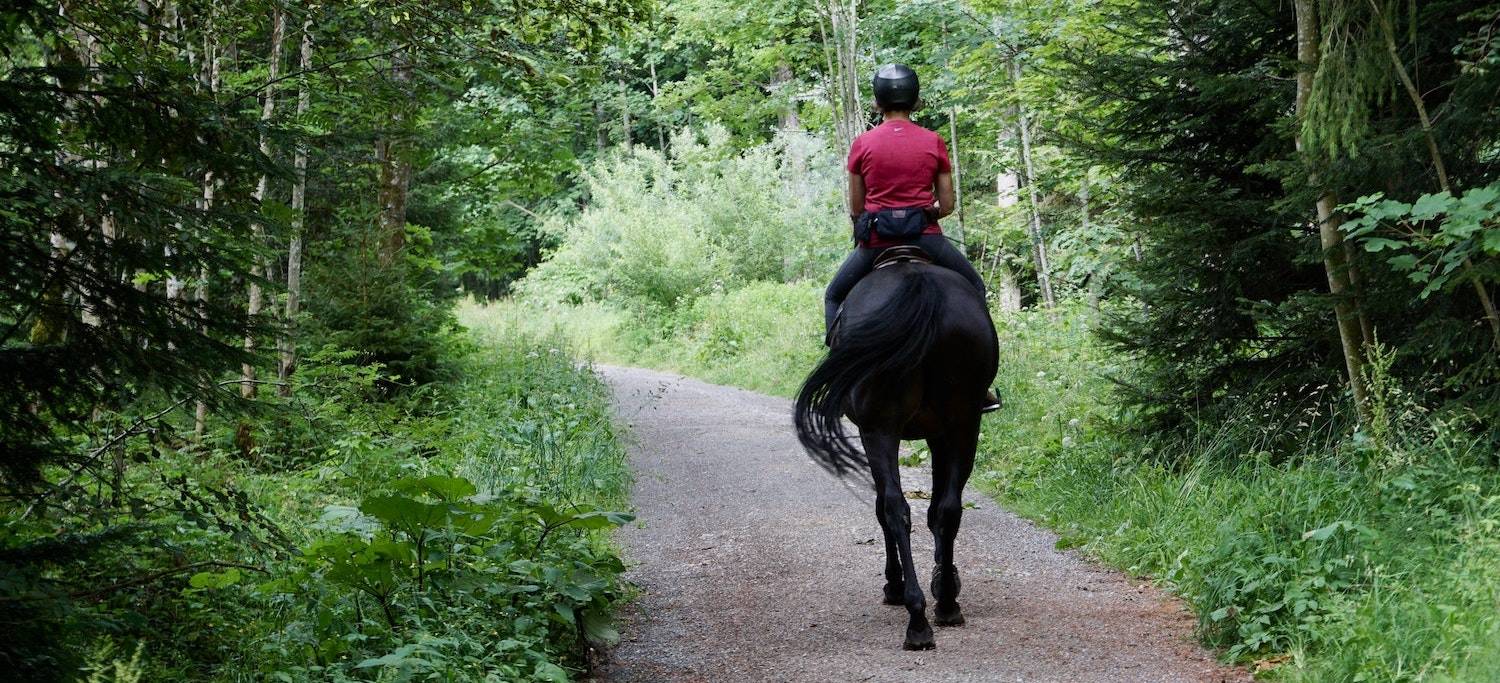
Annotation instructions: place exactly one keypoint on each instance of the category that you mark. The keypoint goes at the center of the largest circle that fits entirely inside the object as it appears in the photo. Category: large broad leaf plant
(412, 565)
(1439, 240)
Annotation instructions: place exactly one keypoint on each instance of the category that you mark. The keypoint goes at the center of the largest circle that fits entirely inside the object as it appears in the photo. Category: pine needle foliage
(100, 150)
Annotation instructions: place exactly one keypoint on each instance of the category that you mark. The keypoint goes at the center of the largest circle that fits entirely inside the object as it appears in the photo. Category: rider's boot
(991, 402)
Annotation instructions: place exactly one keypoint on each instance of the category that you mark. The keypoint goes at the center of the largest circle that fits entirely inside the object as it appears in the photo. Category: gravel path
(755, 565)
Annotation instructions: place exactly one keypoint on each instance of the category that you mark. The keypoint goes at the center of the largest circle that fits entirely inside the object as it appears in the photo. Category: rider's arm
(856, 195)
(945, 197)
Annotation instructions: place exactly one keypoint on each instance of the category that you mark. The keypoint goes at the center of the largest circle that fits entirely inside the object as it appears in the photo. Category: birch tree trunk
(1345, 305)
(842, 34)
(288, 345)
(1034, 225)
(258, 271)
(1009, 292)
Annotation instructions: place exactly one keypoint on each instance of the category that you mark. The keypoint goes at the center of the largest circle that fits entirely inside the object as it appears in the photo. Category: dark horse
(911, 359)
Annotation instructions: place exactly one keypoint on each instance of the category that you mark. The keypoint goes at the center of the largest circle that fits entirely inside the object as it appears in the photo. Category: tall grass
(535, 418)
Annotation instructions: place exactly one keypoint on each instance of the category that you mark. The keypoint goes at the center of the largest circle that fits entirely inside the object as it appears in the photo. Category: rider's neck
(897, 116)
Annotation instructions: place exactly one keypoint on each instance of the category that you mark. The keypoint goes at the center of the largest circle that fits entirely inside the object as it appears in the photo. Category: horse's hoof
(919, 640)
(947, 617)
(895, 594)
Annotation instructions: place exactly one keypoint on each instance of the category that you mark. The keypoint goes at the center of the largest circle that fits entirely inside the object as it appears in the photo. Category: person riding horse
(900, 184)
(912, 352)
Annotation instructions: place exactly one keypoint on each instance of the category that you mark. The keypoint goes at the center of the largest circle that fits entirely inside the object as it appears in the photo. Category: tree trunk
(288, 345)
(258, 271)
(1010, 288)
(1034, 226)
(210, 78)
(661, 133)
(781, 79)
(1345, 305)
(601, 135)
(395, 173)
(958, 185)
(1083, 200)
(625, 125)
(843, 93)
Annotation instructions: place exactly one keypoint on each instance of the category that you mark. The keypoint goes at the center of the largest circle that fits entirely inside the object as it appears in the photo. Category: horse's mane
(879, 352)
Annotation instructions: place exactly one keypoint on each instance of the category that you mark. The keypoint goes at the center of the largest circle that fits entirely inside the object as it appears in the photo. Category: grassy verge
(1340, 564)
(455, 532)
(1347, 562)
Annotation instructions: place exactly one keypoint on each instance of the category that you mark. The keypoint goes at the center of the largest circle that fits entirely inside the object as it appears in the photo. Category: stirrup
(991, 402)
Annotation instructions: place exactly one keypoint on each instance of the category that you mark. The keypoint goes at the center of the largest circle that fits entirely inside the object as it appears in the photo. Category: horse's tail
(879, 354)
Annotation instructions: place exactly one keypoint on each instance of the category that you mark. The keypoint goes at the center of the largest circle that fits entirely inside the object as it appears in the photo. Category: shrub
(662, 230)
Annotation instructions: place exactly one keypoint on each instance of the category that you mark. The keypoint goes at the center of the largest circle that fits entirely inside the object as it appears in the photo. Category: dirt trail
(755, 565)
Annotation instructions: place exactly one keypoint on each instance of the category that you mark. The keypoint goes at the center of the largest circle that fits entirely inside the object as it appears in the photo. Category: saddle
(903, 253)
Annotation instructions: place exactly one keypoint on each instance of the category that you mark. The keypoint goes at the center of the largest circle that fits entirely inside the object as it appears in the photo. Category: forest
(299, 303)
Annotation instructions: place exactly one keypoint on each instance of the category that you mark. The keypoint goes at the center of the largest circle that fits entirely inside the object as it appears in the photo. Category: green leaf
(1429, 206)
(602, 519)
(1378, 243)
(443, 488)
(1491, 241)
(406, 514)
(224, 579)
(599, 627)
(400, 656)
(547, 671)
(1324, 533)
(1481, 196)
(1403, 261)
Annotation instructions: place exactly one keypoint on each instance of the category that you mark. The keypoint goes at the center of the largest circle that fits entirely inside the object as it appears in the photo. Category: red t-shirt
(900, 162)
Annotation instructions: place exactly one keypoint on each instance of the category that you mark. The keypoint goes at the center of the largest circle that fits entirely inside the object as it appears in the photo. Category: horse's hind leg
(952, 462)
(895, 583)
(895, 516)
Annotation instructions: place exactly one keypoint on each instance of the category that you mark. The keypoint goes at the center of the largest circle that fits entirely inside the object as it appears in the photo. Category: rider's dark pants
(862, 260)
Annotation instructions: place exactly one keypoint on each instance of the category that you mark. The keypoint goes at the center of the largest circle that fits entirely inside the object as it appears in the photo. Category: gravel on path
(755, 565)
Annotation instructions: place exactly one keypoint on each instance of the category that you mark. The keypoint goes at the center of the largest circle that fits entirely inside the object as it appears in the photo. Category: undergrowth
(451, 532)
(1358, 559)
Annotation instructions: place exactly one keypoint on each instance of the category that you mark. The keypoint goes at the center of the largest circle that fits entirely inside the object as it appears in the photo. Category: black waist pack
(892, 224)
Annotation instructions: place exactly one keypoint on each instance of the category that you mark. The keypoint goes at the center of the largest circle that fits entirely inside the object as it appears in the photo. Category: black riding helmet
(896, 87)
